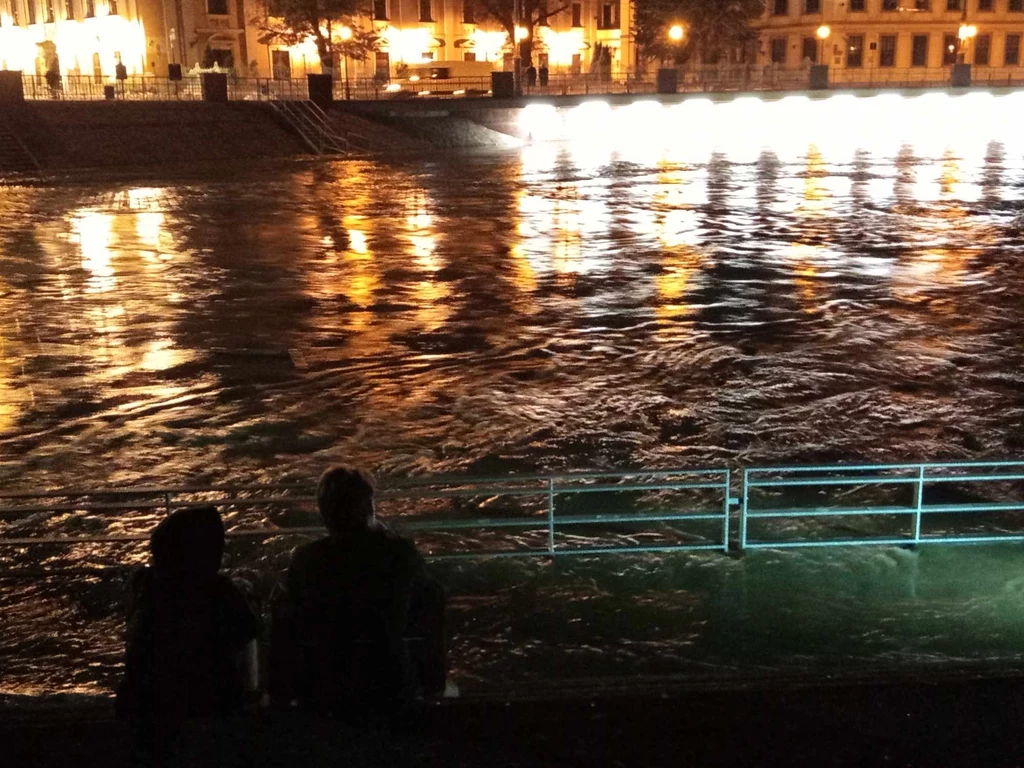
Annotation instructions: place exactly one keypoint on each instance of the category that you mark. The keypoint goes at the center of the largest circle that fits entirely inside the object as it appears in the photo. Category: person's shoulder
(398, 547)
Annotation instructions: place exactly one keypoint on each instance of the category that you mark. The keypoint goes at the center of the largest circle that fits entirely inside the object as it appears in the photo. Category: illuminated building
(917, 37)
(450, 33)
(80, 37)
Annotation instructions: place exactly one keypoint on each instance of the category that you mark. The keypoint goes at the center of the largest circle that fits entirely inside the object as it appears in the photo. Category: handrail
(542, 517)
(923, 491)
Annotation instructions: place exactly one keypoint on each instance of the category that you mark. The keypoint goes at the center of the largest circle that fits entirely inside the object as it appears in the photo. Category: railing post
(743, 513)
(726, 510)
(167, 502)
(551, 515)
(918, 503)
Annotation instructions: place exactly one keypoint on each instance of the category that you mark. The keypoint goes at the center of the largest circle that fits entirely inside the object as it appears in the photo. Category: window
(112, 7)
(469, 56)
(281, 64)
(985, 5)
(855, 51)
(609, 18)
(90, 8)
(780, 8)
(217, 7)
(426, 11)
(812, 7)
(779, 50)
(69, 10)
(382, 65)
(949, 49)
(857, 5)
(1011, 52)
(577, 14)
(468, 12)
(380, 10)
(1016, 6)
(890, 5)
(952, 5)
(809, 50)
(887, 51)
(919, 51)
(922, 5)
(15, 17)
(982, 50)
(32, 12)
(51, 15)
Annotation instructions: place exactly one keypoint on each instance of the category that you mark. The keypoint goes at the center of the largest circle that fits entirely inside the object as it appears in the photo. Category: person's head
(189, 542)
(345, 498)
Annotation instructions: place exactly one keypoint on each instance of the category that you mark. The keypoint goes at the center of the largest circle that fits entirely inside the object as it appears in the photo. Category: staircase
(312, 125)
(15, 157)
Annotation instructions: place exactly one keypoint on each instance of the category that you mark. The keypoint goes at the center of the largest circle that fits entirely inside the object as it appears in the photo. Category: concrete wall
(67, 135)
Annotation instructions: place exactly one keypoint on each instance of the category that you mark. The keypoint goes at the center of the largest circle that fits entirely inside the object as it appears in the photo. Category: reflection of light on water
(357, 242)
(93, 232)
(148, 226)
(162, 355)
(673, 282)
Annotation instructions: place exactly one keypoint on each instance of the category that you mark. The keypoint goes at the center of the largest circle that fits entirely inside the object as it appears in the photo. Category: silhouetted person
(362, 629)
(531, 76)
(187, 625)
(543, 75)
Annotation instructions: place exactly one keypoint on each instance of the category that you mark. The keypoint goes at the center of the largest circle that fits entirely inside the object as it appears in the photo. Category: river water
(745, 283)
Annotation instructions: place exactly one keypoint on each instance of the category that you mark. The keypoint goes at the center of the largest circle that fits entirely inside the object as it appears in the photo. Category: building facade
(892, 34)
(90, 37)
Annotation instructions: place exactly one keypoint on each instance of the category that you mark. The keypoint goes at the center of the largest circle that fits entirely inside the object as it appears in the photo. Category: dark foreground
(912, 723)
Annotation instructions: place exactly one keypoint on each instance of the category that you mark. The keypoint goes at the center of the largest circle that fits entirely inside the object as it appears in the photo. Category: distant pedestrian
(531, 76)
(543, 73)
(188, 625)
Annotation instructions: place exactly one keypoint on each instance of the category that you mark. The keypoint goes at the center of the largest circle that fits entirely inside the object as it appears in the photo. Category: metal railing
(731, 78)
(311, 124)
(891, 504)
(566, 514)
(632, 511)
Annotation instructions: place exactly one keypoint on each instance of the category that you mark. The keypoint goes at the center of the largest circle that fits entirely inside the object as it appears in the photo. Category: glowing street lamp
(823, 33)
(345, 34)
(675, 33)
(964, 33)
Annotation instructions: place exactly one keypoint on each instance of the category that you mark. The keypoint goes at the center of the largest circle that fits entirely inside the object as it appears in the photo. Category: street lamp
(345, 33)
(823, 32)
(964, 33)
(675, 33)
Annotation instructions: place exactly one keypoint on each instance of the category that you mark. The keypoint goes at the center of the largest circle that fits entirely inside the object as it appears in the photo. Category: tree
(712, 27)
(532, 13)
(290, 22)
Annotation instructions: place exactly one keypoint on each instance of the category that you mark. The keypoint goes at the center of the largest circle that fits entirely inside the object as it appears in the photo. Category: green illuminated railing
(584, 513)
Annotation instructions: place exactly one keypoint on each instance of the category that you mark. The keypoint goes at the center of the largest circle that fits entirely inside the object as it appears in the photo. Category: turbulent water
(752, 298)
